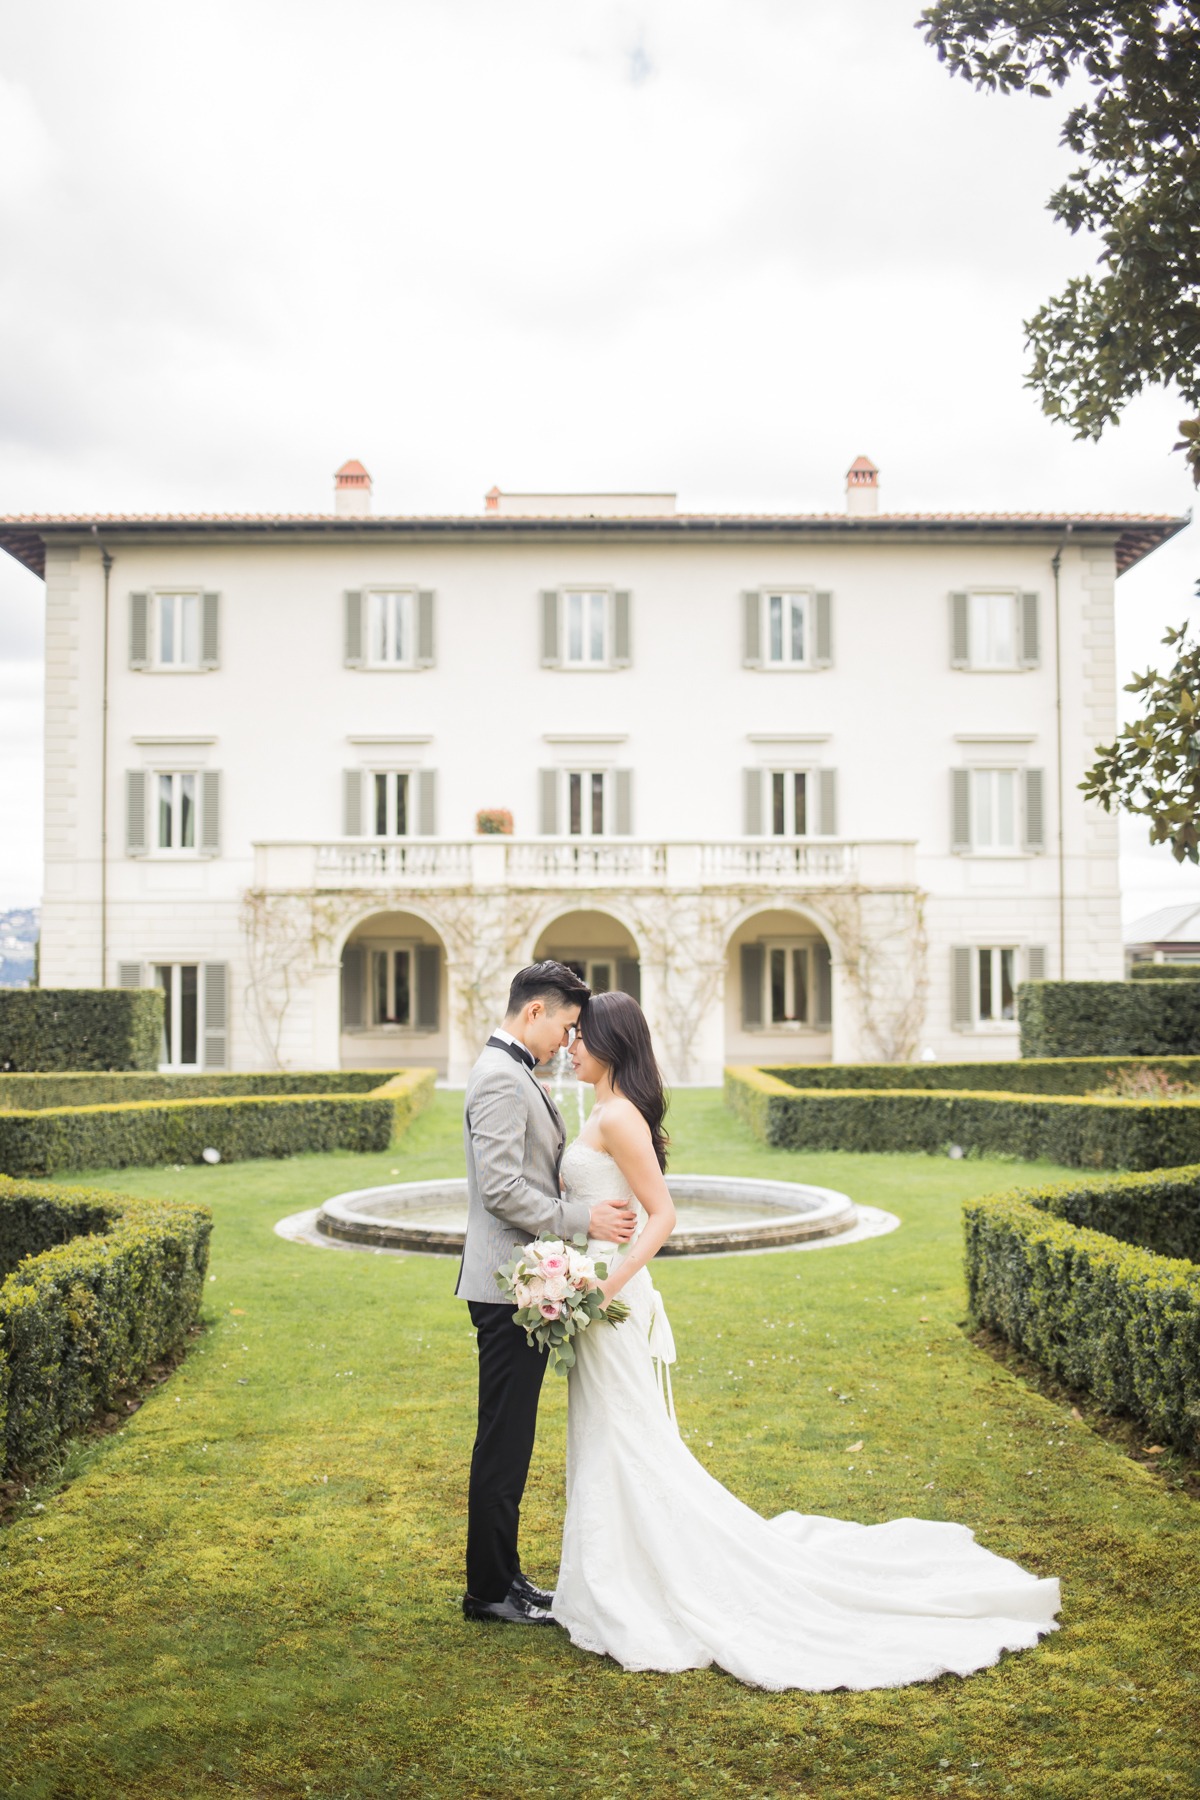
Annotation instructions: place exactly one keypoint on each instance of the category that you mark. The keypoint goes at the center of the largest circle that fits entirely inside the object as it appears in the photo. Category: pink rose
(550, 1309)
(554, 1265)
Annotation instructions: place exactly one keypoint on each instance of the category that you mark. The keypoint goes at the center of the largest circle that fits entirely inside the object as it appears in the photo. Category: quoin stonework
(805, 783)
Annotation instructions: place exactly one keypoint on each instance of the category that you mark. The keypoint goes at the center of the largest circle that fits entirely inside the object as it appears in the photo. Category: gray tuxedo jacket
(514, 1136)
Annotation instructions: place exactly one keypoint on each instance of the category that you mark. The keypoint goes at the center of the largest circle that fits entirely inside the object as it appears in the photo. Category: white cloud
(720, 247)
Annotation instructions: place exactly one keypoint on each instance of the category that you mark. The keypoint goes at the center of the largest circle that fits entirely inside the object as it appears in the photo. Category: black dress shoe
(514, 1609)
(537, 1595)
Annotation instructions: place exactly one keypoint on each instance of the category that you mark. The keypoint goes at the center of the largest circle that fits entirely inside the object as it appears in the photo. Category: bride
(662, 1568)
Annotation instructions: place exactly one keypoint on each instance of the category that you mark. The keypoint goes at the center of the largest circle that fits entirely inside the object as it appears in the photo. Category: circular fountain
(716, 1213)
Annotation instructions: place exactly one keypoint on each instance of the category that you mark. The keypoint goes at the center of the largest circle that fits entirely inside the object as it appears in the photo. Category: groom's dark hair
(549, 981)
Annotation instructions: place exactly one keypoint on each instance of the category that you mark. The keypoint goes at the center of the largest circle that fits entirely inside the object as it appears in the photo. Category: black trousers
(510, 1381)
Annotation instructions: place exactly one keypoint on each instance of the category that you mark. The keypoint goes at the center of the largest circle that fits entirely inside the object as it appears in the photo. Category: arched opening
(393, 995)
(598, 947)
(778, 990)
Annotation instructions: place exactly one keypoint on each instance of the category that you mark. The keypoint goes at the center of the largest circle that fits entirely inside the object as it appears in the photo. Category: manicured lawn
(253, 1588)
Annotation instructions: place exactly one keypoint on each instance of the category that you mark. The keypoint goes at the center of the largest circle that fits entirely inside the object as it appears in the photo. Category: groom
(514, 1137)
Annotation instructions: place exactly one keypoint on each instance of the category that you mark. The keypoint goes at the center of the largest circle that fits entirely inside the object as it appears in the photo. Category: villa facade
(807, 784)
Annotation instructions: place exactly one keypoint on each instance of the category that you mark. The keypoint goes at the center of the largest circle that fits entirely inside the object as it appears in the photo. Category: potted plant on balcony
(494, 821)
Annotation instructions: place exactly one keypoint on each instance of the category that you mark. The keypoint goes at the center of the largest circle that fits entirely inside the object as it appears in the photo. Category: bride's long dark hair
(615, 1031)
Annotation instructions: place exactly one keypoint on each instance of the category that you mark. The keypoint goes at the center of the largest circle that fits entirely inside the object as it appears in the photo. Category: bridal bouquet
(554, 1288)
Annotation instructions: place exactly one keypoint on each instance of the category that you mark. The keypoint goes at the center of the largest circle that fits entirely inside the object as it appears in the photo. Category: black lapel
(495, 1043)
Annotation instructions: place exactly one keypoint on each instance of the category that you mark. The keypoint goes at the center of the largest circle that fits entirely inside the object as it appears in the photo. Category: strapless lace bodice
(593, 1176)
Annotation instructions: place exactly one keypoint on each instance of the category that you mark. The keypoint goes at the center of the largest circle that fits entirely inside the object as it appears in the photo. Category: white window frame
(995, 952)
(391, 951)
(978, 772)
(157, 597)
(811, 799)
(178, 778)
(789, 949)
(789, 600)
(407, 610)
(584, 594)
(587, 779)
(173, 1013)
(992, 665)
(391, 778)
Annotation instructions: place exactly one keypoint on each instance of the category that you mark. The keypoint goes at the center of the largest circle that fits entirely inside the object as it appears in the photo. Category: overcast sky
(717, 246)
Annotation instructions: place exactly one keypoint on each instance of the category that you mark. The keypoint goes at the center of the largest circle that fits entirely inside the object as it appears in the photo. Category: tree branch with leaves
(1154, 766)
(1137, 323)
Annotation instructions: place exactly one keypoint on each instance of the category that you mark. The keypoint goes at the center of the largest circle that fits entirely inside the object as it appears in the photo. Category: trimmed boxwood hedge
(80, 1028)
(1100, 1314)
(1109, 1018)
(239, 1126)
(1152, 971)
(31, 1093)
(1083, 1133)
(1035, 1075)
(101, 1287)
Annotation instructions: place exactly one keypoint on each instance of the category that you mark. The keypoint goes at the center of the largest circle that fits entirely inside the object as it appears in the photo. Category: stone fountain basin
(716, 1213)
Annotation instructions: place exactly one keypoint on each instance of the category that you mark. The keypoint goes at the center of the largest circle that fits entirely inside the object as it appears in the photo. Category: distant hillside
(18, 936)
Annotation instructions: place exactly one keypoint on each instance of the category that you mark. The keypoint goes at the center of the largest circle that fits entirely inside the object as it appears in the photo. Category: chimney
(862, 488)
(352, 491)
(491, 500)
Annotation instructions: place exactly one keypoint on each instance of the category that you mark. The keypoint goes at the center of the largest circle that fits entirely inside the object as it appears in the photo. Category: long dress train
(663, 1568)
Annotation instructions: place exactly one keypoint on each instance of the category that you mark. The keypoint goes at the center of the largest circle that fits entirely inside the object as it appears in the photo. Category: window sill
(176, 669)
(994, 668)
(774, 668)
(388, 668)
(393, 1031)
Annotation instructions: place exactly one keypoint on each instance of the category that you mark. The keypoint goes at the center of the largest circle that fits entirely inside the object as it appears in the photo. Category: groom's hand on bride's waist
(613, 1222)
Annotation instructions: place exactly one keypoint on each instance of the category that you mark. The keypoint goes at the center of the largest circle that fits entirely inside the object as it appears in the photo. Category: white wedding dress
(662, 1568)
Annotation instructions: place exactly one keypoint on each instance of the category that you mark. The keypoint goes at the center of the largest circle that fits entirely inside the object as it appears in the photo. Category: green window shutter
(1035, 962)
(551, 655)
(823, 983)
(139, 631)
(753, 965)
(622, 641)
(827, 780)
(629, 977)
(752, 630)
(425, 637)
(216, 1015)
(210, 631)
(962, 999)
(623, 783)
(129, 975)
(427, 802)
(352, 802)
(210, 812)
(960, 637)
(548, 785)
(960, 811)
(1030, 645)
(352, 603)
(1035, 810)
(429, 986)
(752, 802)
(135, 812)
(353, 986)
(823, 634)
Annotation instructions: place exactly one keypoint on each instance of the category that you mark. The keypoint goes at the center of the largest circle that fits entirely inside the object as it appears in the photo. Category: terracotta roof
(25, 535)
(352, 471)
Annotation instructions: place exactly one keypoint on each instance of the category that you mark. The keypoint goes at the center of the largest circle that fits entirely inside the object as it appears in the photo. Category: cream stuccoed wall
(278, 717)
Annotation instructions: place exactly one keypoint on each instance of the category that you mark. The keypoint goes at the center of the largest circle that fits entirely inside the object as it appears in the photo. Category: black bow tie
(518, 1052)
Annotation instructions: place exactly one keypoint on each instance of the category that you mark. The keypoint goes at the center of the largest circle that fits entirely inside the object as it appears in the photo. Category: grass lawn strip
(253, 1587)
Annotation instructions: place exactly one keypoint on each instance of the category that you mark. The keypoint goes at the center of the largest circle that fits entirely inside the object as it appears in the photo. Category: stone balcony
(422, 864)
